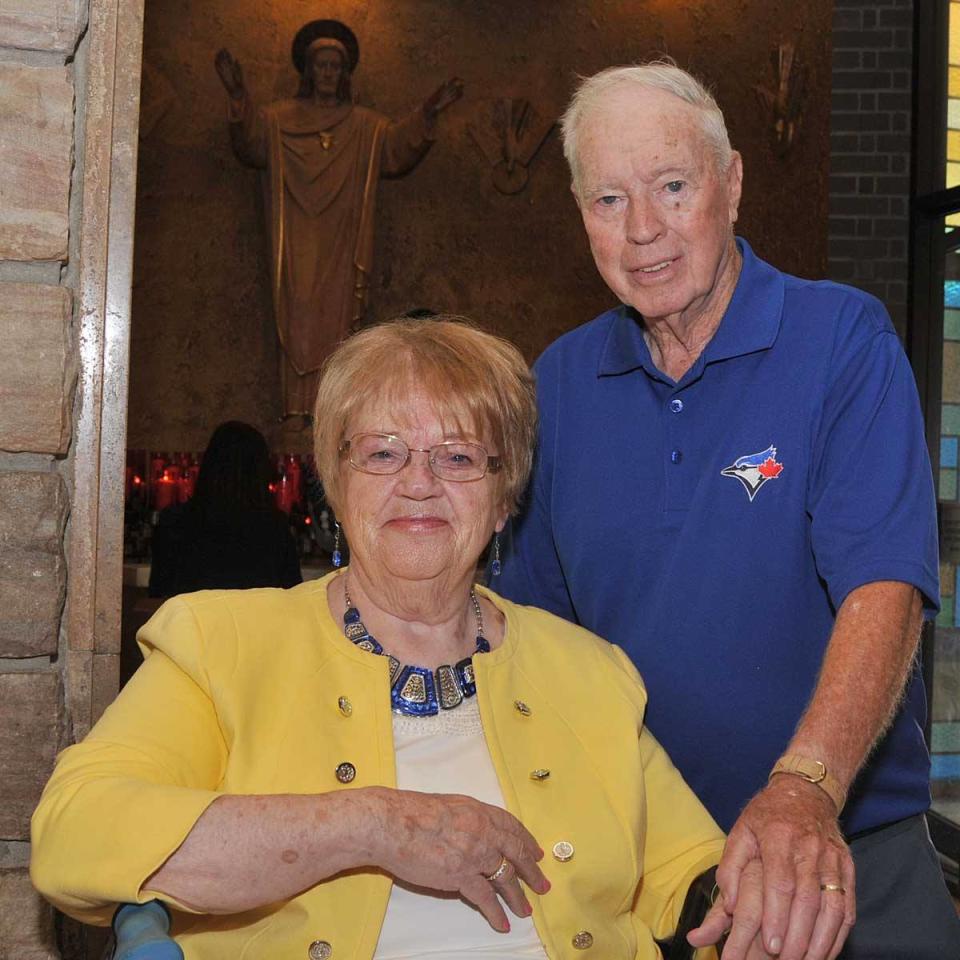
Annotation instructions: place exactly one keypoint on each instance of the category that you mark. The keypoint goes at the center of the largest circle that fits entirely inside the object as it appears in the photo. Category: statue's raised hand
(450, 91)
(230, 73)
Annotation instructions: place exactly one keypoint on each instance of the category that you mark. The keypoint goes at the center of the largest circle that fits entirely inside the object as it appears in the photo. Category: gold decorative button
(346, 771)
(346, 707)
(582, 940)
(522, 708)
(563, 851)
(319, 950)
(541, 773)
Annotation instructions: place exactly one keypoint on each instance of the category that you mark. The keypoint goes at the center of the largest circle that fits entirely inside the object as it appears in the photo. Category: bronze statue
(324, 156)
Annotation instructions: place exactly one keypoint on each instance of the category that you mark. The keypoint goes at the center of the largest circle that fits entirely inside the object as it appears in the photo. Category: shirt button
(345, 772)
(582, 940)
(563, 851)
(522, 708)
(346, 707)
(320, 950)
(676, 404)
(676, 456)
(541, 773)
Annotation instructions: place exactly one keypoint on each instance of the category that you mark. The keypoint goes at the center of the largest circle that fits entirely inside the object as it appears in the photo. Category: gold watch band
(813, 771)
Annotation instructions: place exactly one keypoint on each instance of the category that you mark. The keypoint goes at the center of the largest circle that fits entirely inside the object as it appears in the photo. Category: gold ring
(832, 887)
(499, 872)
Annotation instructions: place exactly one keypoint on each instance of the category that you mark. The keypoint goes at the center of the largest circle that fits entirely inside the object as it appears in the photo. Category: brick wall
(870, 149)
(40, 57)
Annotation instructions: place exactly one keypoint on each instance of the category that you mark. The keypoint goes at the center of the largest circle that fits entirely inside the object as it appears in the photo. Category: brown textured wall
(203, 345)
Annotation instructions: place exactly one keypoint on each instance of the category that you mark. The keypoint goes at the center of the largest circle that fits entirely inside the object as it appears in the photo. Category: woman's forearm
(247, 851)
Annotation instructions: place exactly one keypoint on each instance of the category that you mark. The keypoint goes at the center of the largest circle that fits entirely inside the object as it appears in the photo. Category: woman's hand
(452, 842)
(744, 923)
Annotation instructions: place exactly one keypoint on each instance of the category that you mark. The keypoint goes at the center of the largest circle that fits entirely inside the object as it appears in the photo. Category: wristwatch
(813, 771)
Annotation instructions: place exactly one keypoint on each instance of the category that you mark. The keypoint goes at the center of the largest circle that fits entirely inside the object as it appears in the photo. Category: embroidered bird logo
(754, 470)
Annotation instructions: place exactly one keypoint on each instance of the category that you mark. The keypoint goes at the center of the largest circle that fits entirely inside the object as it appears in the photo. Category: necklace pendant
(465, 676)
(368, 643)
(414, 692)
(326, 140)
(394, 668)
(354, 631)
(450, 694)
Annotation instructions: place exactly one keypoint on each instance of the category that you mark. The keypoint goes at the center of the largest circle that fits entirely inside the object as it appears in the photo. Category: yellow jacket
(239, 694)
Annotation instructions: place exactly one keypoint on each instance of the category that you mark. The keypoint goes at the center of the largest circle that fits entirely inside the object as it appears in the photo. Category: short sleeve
(870, 492)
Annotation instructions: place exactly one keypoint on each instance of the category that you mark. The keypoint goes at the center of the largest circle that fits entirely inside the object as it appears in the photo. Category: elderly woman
(375, 764)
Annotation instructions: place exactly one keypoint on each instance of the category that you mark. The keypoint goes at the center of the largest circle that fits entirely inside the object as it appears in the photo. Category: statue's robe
(322, 168)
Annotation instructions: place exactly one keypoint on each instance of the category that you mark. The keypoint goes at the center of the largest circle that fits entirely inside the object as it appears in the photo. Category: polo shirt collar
(751, 323)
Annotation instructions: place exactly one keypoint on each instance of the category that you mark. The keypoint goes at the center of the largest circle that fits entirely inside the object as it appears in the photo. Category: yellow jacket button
(582, 940)
(346, 772)
(541, 773)
(563, 851)
(319, 950)
(346, 707)
(522, 708)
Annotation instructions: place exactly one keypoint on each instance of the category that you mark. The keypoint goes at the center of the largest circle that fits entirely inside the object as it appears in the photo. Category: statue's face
(326, 68)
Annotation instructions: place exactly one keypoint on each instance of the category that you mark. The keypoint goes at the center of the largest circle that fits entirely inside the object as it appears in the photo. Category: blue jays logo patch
(754, 470)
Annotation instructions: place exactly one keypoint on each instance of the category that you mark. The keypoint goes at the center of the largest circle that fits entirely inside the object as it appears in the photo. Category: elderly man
(733, 486)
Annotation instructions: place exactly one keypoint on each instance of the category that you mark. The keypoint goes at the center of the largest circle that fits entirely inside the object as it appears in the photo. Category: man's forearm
(862, 678)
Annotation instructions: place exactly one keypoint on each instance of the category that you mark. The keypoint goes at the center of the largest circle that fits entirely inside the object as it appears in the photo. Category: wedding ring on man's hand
(831, 887)
(498, 874)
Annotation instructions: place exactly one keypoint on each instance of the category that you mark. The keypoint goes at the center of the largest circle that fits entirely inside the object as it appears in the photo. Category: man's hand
(743, 924)
(230, 73)
(450, 91)
(791, 828)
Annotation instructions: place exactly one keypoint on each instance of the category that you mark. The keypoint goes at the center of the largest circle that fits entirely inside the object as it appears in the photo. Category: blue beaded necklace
(420, 691)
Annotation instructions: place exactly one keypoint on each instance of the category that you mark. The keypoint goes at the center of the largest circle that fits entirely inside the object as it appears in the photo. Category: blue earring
(495, 566)
(337, 556)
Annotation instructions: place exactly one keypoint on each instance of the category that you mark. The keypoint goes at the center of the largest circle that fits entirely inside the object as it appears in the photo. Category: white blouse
(448, 754)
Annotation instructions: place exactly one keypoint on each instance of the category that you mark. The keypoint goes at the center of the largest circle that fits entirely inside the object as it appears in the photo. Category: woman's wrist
(363, 825)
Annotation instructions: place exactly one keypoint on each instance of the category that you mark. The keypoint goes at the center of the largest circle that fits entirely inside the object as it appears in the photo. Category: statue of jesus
(323, 156)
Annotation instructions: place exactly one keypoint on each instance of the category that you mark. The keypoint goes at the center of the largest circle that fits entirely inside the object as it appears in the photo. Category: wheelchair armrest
(142, 932)
(695, 907)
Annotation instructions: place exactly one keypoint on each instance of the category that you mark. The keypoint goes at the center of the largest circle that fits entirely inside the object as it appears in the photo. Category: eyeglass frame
(493, 465)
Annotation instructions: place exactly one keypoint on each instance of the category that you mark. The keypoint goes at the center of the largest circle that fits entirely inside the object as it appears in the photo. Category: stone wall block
(26, 919)
(39, 367)
(31, 714)
(36, 154)
(33, 510)
(52, 25)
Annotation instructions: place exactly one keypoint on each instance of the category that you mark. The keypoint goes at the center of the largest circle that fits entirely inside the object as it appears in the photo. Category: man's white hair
(657, 75)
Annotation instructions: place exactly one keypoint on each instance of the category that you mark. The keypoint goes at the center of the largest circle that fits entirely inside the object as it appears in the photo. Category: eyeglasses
(383, 454)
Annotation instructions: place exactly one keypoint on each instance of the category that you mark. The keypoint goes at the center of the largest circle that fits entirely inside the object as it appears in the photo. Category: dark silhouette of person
(229, 535)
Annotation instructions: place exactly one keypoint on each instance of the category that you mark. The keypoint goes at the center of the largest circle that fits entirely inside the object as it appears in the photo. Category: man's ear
(734, 177)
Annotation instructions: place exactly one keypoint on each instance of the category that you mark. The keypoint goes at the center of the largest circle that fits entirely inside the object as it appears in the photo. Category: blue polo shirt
(712, 527)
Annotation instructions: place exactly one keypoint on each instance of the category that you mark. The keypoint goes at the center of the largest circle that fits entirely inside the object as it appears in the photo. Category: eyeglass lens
(450, 460)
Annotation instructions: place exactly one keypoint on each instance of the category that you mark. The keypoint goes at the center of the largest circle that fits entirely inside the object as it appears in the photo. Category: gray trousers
(904, 911)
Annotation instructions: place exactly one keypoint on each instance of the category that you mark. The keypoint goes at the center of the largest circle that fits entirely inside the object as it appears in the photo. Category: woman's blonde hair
(479, 383)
